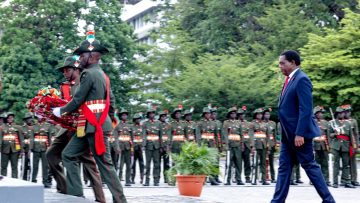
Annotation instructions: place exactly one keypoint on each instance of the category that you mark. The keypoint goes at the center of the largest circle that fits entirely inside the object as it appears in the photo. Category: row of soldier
(156, 138)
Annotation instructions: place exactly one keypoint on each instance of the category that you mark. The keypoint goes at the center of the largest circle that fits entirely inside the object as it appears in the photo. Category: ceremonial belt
(165, 138)
(124, 138)
(191, 137)
(10, 137)
(347, 138)
(138, 139)
(234, 137)
(96, 106)
(246, 136)
(111, 138)
(178, 138)
(320, 139)
(100, 147)
(40, 138)
(260, 135)
(152, 137)
(208, 136)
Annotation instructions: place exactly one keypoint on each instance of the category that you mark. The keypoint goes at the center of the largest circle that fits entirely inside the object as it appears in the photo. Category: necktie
(285, 85)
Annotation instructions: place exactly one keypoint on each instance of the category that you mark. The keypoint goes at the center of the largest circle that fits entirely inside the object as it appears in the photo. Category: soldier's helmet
(346, 107)
(318, 109)
(206, 110)
(3, 115)
(90, 44)
(164, 112)
(9, 114)
(259, 110)
(137, 116)
(70, 62)
(230, 110)
(123, 111)
(28, 115)
(174, 112)
(339, 109)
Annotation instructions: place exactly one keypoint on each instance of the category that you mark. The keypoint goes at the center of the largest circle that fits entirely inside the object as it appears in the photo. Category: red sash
(91, 118)
(344, 137)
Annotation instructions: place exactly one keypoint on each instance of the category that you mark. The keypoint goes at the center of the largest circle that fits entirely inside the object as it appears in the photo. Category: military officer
(94, 97)
(138, 133)
(11, 145)
(232, 135)
(39, 143)
(165, 148)
(177, 130)
(152, 143)
(191, 132)
(261, 142)
(355, 128)
(123, 132)
(321, 144)
(341, 146)
(272, 142)
(208, 133)
(218, 136)
(248, 142)
(28, 132)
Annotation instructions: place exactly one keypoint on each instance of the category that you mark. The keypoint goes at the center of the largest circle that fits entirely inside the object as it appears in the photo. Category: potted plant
(191, 167)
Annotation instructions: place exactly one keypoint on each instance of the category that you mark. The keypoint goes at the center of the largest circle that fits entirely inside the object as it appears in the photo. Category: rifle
(333, 123)
(254, 168)
(227, 165)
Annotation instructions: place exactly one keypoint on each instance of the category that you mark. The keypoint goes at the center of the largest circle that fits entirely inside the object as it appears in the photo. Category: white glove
(56, 112)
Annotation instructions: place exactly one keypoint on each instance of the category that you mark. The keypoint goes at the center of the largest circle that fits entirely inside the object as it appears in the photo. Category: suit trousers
(13, 157)
(289, 154)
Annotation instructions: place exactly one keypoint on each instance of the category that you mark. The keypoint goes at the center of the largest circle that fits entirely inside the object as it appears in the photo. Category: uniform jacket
(10, 146)
(345, 129)
(44, 130)
(152, 128)
(123, 133)
(232, 128)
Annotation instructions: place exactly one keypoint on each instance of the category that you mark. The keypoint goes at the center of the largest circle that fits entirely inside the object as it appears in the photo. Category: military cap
(206, 110)
(90, 44)
(318, 109)
(137, 116)
(122, 110)
(242, 110)
(165, 112)
(28, 115)
(9, 114)
(71, 62)
(339, 109)
(174, 112)
(150, 111)
(259, 110)
(186, 112)
(3, 115)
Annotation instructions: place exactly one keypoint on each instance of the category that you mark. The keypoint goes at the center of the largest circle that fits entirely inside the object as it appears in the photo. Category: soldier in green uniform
(152, 144)
(28, 131)
(355, 128)
(232, 135)
(138, 134)
(321, 143)
(208, 133)
(123, 132)
(248, 142)
(177, 131)
(191, 132)
(39, 143)
(272, 142)
(218, 135)
(95, 98)
(261, 142)
(341, 146)
(11, 145)
(165, 148)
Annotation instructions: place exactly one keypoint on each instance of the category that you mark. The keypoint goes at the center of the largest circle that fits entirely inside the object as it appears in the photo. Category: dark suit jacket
(295, 108)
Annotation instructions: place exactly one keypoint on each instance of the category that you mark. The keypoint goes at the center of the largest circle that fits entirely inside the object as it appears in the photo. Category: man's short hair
(292, 55)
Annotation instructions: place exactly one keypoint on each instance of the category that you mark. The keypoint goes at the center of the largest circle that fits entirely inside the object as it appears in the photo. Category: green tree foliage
(332, 61)
(37, 36)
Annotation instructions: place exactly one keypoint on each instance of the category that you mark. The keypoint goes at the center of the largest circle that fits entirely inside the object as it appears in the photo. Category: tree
(332, 61)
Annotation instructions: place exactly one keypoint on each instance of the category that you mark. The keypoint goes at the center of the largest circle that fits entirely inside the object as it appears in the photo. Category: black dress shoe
(227, 183)
(156, 184)
(355, 183)
(240, 183)
(265, 183)
(293, 182)
(253, 183)
(218, 180)
(214, 183)
(146, 184)
(247, 180)
(132, 182)
(299, 181)
(335, 185)
(127, 184)
(342, 184)
(273, 181)
(348, 185)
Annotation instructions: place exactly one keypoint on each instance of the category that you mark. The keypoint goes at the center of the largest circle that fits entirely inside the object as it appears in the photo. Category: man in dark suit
(298, 128)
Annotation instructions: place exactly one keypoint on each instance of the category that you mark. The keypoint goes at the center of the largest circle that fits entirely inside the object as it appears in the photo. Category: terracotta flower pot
(190, 185)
